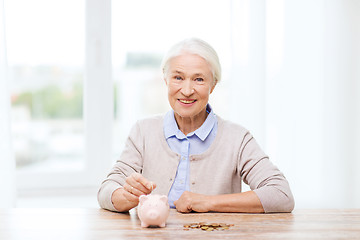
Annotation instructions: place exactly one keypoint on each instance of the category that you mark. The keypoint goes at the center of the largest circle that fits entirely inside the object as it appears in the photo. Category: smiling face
(190, 82)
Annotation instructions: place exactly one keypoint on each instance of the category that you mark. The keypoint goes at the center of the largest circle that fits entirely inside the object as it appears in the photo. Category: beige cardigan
(233, 156)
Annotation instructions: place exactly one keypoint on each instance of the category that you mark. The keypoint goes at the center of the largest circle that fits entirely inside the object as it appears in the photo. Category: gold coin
(208, 226)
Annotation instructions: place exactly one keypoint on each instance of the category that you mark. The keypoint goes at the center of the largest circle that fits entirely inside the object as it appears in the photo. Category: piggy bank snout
(153, 214)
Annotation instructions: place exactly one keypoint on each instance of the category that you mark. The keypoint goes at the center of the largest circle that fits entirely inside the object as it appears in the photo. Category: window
(51, 88)
(45, 51)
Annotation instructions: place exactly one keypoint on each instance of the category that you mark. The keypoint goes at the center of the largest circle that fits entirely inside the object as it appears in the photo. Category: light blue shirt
(195, 142)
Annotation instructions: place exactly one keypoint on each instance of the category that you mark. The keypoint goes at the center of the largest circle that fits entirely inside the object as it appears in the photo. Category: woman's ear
(164, 198)
(213, 87)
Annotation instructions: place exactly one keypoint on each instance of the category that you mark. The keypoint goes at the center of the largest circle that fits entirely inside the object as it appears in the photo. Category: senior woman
(190, 154)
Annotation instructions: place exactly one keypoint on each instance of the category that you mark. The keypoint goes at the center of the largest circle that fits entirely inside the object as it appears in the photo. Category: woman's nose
(187, 88)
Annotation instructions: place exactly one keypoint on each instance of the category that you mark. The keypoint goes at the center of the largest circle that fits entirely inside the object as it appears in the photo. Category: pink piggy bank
(153, 210)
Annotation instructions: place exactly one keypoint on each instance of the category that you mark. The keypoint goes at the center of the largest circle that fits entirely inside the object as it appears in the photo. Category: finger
(177, 205)
(143, 181)
(132, 190)
(181, 208)
(183, 204)
(131, 197)
(132, 182)
(150, 186)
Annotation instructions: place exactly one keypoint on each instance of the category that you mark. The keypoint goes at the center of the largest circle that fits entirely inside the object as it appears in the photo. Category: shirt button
(193, 183)
(170, 179)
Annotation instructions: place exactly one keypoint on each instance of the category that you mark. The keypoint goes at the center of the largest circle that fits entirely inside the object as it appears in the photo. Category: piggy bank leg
(144, 225)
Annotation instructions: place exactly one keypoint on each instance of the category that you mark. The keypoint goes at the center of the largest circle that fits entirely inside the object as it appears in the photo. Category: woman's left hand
(190, 201)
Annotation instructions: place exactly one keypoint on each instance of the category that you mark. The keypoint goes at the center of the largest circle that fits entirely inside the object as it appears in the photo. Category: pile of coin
(208, 226)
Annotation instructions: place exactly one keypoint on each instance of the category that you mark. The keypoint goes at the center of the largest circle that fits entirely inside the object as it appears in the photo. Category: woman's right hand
(128, 197)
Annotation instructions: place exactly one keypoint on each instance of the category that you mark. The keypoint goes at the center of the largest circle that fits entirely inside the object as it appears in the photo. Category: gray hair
(198, 47)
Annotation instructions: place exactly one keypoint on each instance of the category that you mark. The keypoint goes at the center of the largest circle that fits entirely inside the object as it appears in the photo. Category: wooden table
(101, 224)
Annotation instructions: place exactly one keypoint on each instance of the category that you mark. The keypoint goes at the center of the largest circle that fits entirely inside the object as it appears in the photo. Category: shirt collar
(170, 125)
(171, 128)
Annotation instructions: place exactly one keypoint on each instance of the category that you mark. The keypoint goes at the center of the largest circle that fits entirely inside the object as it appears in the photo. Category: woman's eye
(199, 79)
(177, 77)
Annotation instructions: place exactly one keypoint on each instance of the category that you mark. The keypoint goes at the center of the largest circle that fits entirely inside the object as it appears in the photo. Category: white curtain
(7, 164)
(312, 99)
(298, 63)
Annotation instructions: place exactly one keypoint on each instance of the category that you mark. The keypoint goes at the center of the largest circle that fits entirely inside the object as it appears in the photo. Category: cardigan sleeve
(129, 162)
(264, 178)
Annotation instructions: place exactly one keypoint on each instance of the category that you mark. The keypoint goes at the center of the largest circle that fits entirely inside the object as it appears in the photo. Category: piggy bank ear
(143, 198)
(163, 198)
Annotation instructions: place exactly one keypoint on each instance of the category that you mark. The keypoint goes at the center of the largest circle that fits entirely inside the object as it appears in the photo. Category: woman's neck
(190, 124)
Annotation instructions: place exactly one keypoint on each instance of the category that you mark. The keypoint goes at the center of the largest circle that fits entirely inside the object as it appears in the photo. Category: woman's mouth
(187, 101)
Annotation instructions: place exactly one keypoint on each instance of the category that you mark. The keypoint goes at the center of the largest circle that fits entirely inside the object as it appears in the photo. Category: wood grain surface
(101, 224)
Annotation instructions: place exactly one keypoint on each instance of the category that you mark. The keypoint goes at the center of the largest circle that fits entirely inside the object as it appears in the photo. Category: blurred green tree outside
(52, 102)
